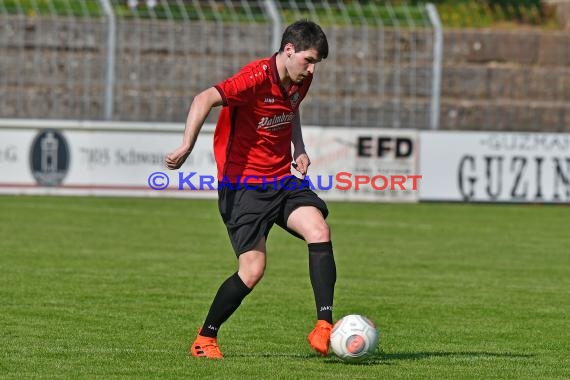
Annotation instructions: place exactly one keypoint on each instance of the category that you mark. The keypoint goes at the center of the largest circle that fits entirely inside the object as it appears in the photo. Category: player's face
(300, 63)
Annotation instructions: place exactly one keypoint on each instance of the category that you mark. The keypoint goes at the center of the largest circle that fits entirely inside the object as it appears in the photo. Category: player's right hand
(175, 159)
(301, 164)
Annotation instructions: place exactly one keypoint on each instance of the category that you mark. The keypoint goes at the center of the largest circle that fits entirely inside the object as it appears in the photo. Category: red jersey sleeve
(240, 88)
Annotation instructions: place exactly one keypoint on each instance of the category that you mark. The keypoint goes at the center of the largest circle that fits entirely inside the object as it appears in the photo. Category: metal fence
(144, 60)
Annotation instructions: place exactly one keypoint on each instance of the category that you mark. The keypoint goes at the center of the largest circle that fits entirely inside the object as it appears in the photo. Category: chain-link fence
(144, 60)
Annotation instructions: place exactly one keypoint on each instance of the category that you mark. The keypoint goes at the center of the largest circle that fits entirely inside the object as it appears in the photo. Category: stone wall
(517, 80)
(493, 80)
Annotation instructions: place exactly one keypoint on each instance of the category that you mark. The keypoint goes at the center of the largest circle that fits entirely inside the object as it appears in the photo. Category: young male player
(258, 122)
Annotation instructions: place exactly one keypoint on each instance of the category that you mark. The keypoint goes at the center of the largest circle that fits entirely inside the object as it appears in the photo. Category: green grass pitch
(116, 288)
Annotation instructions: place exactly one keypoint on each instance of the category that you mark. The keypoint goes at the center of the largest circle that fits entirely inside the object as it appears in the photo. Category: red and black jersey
(253, 133)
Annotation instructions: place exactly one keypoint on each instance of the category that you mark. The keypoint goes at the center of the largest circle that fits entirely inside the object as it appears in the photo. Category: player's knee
(252, 265)
(252, 278)
(318, 233)
(252, 274)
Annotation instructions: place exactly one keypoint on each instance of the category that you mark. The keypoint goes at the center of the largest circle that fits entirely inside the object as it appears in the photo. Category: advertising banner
(101, 158)
(495, 167)
(364, 164)
(97, 158)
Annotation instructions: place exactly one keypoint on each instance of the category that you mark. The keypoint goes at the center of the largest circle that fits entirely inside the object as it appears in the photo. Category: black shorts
(249, 213)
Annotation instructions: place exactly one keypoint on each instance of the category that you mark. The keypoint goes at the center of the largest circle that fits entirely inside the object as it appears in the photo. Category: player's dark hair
(305, 35)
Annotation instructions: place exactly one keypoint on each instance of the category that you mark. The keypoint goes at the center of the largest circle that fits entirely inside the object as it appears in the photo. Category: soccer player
(257, 125)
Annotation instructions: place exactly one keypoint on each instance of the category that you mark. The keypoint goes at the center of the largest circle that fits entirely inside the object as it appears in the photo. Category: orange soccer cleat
(320, 337)
(206, 347)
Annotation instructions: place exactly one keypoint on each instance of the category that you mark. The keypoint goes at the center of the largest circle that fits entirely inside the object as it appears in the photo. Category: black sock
(322, 270)
(226, 301)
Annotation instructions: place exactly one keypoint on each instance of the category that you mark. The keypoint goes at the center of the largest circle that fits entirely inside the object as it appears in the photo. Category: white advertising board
(99, 158)
(495, 167)
(96, 158)
(363, 164)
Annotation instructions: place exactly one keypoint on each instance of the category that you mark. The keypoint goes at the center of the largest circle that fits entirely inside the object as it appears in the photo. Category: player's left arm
(300, 157)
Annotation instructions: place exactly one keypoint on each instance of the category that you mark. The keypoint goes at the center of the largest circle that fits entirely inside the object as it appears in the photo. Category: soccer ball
(354, 337)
